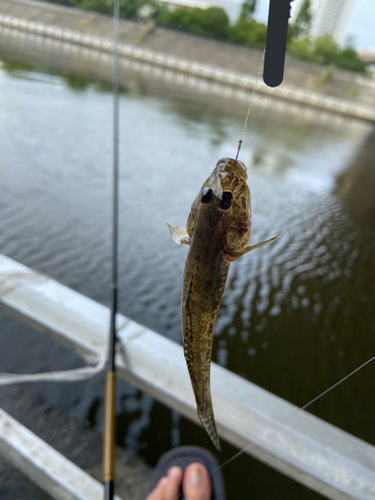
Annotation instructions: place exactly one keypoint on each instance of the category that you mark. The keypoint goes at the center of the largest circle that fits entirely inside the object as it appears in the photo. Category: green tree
(247, 9)
(301, 49)
(325, 50)
(348, 58)
(302, 26)
(212, 22)
(249, 33)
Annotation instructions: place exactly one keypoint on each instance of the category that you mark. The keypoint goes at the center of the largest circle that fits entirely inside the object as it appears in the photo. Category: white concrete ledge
(299, 445)
(47, 468)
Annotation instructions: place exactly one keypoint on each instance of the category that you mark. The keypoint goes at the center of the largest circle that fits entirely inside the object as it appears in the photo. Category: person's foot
(195, 483)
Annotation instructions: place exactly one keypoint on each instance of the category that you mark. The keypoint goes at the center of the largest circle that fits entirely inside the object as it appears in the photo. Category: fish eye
(206, 195)
(226, 200)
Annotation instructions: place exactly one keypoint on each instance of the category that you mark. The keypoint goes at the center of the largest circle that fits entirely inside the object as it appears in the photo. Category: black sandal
(184, 456)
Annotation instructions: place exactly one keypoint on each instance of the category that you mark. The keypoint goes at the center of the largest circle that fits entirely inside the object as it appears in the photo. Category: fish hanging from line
(218, 232)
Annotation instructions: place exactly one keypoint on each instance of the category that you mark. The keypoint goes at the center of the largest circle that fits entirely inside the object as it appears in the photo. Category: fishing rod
(110, 379)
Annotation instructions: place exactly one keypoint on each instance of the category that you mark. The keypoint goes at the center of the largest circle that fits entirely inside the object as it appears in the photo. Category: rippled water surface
(296, 316)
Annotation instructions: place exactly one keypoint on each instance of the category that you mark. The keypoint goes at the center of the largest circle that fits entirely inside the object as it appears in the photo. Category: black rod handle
(277, 31)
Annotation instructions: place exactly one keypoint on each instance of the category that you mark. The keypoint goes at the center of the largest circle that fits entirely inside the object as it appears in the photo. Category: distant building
(329, 17)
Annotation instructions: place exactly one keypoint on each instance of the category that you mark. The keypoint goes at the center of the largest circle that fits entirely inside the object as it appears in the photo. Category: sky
(361, 25)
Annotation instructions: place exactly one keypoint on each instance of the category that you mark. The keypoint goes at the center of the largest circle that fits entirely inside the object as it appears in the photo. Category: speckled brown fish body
(204, 281)
(218, 231)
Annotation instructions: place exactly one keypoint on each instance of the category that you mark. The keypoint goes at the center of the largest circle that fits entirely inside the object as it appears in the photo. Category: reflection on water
(356, 185)
(296, 315)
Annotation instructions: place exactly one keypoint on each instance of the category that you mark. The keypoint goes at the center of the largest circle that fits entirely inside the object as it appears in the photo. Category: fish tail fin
(208, 421)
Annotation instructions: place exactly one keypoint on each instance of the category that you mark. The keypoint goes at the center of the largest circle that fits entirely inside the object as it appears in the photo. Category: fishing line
(295, 412)
(251, 102)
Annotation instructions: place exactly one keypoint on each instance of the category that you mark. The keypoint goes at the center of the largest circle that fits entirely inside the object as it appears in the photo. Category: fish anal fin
(179, 235)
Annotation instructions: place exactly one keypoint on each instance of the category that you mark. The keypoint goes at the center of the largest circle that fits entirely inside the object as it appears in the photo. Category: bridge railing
(290, 440)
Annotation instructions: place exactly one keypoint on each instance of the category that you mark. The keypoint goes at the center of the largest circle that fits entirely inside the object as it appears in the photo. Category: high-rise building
(329, 16)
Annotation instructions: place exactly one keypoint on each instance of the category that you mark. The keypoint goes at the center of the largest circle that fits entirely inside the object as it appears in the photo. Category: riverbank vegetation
(214, 23)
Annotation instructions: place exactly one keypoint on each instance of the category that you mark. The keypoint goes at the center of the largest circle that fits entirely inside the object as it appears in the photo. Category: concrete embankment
(304, 83)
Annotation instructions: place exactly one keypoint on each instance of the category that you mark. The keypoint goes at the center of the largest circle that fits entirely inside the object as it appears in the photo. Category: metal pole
(110, 380)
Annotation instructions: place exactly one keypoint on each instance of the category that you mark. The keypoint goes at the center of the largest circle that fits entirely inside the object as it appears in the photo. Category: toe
(173, 486)
(158, 492)
(197, 484)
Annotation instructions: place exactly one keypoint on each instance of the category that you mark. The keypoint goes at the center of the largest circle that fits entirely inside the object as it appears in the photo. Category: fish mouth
(226, 165)
(224, 176)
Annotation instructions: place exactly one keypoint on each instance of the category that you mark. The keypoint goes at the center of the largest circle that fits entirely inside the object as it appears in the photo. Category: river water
(296, 316)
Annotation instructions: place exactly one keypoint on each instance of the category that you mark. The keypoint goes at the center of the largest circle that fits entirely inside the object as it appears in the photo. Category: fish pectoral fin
(179, 235)
(258, 245)
(232, 256)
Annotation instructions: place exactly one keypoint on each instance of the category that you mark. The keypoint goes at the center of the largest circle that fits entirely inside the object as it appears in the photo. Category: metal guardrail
(46, 467)
(231, 78)
(292, 441)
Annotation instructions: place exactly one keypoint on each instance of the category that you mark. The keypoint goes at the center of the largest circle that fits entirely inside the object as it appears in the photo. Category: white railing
(43, 465)
(292, 441)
